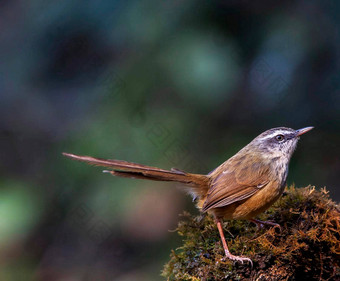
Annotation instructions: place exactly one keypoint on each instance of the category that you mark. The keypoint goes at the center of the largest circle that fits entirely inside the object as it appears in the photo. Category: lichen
(306, 247)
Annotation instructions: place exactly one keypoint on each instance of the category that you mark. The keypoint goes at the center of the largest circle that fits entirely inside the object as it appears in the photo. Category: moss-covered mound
(306, 248)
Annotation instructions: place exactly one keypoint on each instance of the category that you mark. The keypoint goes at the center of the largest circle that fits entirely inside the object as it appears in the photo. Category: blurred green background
(181, 84)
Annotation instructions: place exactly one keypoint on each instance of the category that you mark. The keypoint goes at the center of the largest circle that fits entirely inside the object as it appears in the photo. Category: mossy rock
(307, 247)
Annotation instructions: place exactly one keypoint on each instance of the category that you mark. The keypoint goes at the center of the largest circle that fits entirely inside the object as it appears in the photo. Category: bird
(241, 188)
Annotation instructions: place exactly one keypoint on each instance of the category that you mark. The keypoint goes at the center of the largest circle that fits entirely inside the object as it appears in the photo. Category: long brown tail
(133, 170)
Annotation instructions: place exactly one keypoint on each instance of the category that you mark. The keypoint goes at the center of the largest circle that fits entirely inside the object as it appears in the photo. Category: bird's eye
(279, 137)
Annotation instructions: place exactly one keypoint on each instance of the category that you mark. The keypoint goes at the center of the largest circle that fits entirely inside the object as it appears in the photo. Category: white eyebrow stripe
(279, 132)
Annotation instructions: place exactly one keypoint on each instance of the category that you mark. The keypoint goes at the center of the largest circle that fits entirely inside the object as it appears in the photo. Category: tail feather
(133, 170)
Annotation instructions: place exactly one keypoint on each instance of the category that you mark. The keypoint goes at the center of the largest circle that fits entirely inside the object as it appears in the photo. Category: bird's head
(277, 142)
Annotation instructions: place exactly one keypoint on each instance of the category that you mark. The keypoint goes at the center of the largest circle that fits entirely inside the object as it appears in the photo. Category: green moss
(307, 247)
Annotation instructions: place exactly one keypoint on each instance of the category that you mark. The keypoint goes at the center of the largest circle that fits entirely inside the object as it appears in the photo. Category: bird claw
(260, 224)
(237, 258)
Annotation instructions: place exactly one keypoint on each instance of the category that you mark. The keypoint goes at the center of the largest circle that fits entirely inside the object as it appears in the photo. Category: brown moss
(306, 248)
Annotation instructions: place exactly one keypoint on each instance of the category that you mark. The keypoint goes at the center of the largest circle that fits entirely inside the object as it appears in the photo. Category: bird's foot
(237, 258)
(261, 224)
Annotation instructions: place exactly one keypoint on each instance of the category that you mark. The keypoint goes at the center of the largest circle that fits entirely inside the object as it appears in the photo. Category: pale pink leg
(226, 250)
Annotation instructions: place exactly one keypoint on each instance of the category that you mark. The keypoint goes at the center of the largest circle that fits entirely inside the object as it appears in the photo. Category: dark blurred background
(181, 84)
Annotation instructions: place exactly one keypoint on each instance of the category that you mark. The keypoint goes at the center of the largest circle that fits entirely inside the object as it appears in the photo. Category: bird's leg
(260, 224)
(225, 246)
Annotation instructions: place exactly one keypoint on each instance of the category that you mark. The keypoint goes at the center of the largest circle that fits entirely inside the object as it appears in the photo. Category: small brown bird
(241, 188)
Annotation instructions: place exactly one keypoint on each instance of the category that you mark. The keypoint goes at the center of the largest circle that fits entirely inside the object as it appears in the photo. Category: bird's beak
(303, 131)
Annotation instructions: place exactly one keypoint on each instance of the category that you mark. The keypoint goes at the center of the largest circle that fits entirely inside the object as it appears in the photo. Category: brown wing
(230, 185)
